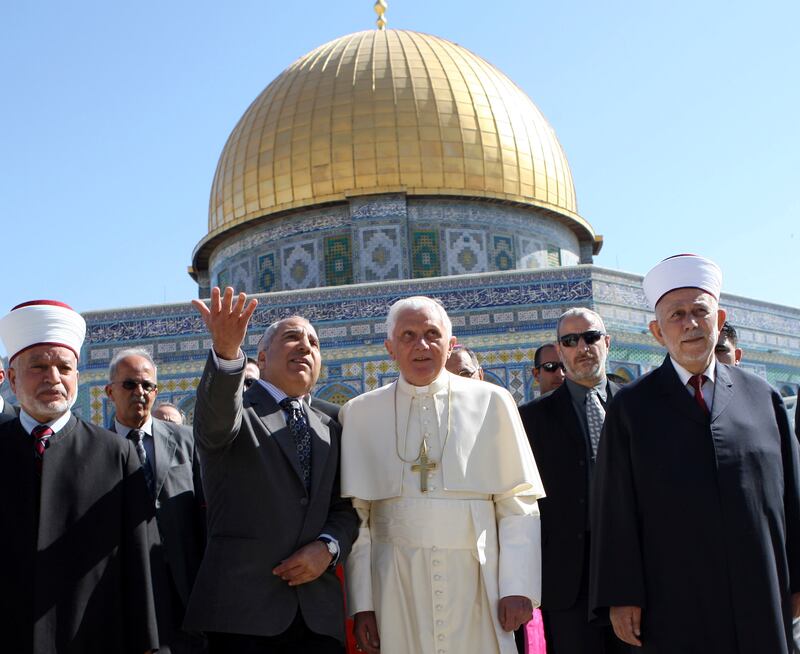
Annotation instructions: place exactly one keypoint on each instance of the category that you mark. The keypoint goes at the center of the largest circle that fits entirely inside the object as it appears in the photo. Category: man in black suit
(172, 470)
(563, 428)
(277, 524)
(696, 499)
(7, 411)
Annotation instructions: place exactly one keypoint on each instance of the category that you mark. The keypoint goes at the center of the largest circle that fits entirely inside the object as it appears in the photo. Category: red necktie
(42, 434)
(696, 382)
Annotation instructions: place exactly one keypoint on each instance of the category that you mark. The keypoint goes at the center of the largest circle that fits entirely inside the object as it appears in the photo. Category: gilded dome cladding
(387, 111)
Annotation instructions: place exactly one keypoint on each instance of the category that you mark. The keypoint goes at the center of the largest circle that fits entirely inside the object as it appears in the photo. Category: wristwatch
(333, 549)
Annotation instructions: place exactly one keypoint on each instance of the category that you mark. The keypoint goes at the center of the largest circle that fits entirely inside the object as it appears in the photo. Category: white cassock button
(431, 487)
(437, 577)
(434, 548)
(440, 622)
(439, 651)
(439, 593)
(441, 636)
(436, 563)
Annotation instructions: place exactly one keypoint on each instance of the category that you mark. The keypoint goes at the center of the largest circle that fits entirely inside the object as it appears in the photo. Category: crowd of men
(661, 515)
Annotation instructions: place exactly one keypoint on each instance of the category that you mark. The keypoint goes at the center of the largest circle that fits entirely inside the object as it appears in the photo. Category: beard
(588, 371)
(50, 409)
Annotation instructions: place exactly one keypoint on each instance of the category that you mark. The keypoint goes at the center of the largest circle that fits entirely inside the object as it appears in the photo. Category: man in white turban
(696, 514)
(74, 510)
(447, 557)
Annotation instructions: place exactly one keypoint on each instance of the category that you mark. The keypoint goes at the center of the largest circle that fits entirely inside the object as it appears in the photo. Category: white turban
(42, 322)
(682, 271)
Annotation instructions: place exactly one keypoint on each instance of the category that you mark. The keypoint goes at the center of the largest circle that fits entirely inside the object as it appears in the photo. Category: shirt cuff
(338, 549)
(228, 365)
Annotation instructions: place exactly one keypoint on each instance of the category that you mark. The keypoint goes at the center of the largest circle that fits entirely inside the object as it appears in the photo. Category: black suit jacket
(177, 535)
(328, 408)
(259, 513)
(696, 518)
(562, 455)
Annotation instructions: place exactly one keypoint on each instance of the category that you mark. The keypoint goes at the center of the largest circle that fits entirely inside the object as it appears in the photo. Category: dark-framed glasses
(551, 366)
(131, 385)
(589, 337)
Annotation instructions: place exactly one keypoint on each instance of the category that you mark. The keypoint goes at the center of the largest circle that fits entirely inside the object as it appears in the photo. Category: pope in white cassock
(440, 471)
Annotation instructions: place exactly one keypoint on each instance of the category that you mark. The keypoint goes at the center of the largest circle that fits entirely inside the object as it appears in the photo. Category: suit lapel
(677, 394)
(164, 447)
(567, 410)
(723, 391)
(320, 447)
(274, 419)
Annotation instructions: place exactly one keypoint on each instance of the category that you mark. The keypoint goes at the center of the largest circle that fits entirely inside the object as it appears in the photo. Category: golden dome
(389, 111)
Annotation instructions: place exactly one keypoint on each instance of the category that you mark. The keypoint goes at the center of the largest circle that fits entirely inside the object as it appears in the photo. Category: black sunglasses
(552, 366)
(590, 338)
(130, 385)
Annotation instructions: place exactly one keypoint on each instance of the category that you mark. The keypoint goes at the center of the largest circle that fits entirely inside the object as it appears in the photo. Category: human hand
(226, 321)
(305, 565)
(514, 611)
(627, 623)
(365, 629)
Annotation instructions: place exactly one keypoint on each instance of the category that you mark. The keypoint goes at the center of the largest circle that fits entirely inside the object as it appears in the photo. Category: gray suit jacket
(177, 534)
(9, 412)
(259, 513)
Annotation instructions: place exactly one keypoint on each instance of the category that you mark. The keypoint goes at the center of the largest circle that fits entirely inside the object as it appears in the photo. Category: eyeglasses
(552, 366)
(590, 338)
(249, 381)
(131, 385)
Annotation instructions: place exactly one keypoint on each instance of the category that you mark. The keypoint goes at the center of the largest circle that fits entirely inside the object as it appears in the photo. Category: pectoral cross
(424, 466)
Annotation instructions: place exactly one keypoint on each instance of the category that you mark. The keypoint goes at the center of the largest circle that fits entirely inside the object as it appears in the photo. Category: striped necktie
(136, 436)
(42, 434)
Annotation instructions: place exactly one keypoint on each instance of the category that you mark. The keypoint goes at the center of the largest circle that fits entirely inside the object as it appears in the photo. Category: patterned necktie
(136, 436)
(595, 415)
(42, 434)
(298, 426)
(696, 382)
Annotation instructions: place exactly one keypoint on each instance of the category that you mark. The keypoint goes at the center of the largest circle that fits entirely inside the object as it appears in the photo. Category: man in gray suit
(172, 472)
(277, 524)
(7, 411)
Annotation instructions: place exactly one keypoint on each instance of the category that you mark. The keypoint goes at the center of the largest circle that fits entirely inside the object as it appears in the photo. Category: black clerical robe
(697, 519)
(74, 570)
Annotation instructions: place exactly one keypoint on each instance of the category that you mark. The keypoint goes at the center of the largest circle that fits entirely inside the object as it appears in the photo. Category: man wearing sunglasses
(172, 471)
(564, 428)
(548, 370)
(696, 511)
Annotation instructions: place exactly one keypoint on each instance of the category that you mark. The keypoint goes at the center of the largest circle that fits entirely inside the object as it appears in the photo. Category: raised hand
(226, 320)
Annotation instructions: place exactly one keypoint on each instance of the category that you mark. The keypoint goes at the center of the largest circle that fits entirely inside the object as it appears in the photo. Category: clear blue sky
(680, 120)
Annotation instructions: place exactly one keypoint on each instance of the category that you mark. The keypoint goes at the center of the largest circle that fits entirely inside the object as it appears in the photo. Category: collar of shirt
(28, 423)
(431, 389)
(123, 430)
(277, 394)
(2, 402)
(578, 392)
(685, 375)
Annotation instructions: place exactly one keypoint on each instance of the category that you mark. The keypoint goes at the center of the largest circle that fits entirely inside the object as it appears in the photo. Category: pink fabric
(534, 635)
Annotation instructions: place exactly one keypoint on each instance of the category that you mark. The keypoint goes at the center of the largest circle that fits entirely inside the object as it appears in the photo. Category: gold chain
(424, 442)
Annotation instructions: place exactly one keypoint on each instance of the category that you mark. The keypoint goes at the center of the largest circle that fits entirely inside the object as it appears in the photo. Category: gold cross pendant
(423, 467)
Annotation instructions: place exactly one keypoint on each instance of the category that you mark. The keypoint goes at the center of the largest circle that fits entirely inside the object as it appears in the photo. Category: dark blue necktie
(298, 426)
(136, 436)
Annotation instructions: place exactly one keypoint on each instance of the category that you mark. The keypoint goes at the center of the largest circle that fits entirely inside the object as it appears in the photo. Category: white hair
(417, 303)
(130, 352)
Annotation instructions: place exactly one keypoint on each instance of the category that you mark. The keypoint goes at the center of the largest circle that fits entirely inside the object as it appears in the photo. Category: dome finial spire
(380, 9)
